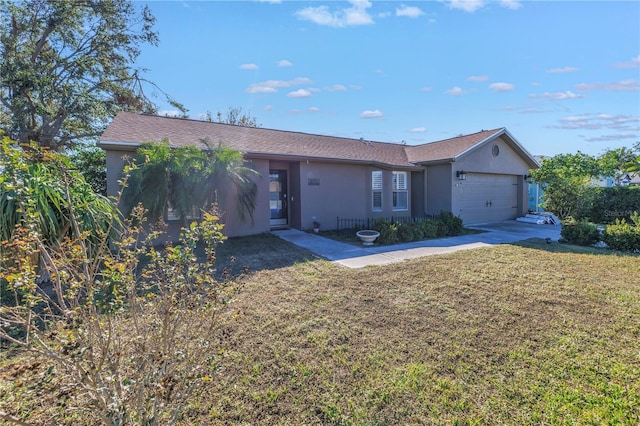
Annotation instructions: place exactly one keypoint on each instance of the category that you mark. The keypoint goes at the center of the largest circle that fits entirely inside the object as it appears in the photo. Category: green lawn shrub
(446, 224)
(388, 232)
(581, 233)
(623, 235)
(431, 228)
(407, 232)
(452, 223)
(615, 203)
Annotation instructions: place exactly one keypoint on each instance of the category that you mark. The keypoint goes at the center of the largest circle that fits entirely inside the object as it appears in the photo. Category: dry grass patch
(509, 335)
(528, 334)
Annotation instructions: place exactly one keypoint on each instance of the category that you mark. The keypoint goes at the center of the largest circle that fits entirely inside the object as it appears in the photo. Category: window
(376, 190)
(400, 194)
(173, 214)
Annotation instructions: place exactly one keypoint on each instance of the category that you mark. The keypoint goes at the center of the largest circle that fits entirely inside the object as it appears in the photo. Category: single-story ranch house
(305, 178)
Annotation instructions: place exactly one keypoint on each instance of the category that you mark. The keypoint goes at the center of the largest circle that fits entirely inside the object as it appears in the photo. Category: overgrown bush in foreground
(129, 331)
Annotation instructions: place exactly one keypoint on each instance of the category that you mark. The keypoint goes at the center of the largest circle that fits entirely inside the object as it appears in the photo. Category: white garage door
(487, 197)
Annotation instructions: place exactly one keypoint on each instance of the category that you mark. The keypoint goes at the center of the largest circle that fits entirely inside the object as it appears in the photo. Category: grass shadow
(240, 255)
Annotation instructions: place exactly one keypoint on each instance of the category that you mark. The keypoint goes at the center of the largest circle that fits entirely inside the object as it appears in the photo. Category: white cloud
(170, 113)
(456, 91)
(284, 63)
(629, 85)
(511, 4)
(558, 95)
(612, 138)
(268, 108)
(248, 67)
(426, 89)
(336, 88)
(600, 121)
(478, 78)
(314, 109)
(355, 87)
(418, 130)
(270, 1)
(473, 5)
(562, 70)
(633, 63)
(346, 17)
(466, 5)
(502, 87)
(272, 86)
(409, 11)
(371, 114)
(300, 93)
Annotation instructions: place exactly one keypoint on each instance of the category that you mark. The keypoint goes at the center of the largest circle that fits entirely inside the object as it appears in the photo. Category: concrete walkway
(353, 256)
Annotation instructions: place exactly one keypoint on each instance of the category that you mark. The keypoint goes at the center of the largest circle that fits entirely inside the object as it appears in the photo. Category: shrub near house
(622, 235)
(446, 224)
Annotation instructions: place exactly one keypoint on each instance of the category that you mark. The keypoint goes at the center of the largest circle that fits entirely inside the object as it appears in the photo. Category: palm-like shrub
(188, 178)
(38, 183)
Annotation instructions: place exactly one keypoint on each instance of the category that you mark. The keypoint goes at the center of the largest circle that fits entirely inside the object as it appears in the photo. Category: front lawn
(522, 334)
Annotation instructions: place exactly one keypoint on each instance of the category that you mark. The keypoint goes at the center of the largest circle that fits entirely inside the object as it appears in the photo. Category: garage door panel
(487, 197)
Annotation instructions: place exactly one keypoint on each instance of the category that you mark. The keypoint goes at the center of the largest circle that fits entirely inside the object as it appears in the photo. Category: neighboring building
(626, 179)
(306, 178)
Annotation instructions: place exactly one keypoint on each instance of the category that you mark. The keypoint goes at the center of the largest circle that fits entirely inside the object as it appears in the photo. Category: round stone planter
(367, 236)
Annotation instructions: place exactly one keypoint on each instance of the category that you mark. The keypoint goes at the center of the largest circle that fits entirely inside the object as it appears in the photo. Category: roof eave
(436, 162)
(294, 157)
(123, 146)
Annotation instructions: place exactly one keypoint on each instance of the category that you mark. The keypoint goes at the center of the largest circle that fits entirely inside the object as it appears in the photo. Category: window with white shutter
(400, 193)
(376, 190)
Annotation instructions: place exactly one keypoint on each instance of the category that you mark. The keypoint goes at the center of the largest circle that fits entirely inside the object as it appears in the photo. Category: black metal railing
(356, 224)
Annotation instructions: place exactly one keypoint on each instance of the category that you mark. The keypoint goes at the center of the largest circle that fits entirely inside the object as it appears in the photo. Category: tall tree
(565, 181)
(91, 162)
(68, 67)
(234, 116)
(615, 162)
(634, 164)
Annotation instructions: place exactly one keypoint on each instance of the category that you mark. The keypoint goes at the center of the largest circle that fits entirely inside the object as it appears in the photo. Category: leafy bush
(623, 236)
(388, 232)
(431, 228)
(581, 233)
(392, 233)
(131, 328)
(615, 203)
(407, 232)
(452, 224)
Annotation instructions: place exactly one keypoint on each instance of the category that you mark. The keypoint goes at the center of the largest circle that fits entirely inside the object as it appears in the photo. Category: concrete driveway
(353, 256)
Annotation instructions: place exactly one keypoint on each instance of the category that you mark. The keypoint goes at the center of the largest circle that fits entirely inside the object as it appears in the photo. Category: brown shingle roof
(132, 129)
(447, 149)
(137, 128)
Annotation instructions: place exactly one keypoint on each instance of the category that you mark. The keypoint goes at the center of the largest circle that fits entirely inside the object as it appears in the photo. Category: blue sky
(561, 76)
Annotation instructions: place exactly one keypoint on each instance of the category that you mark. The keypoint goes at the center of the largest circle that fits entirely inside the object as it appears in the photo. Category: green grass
(523, 334)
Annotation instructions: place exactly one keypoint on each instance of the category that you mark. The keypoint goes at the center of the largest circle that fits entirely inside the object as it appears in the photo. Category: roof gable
(448, 149)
